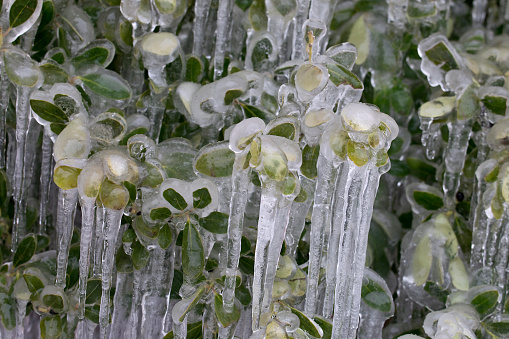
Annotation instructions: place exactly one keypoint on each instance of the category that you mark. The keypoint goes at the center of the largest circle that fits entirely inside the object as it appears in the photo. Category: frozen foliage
(254, 169)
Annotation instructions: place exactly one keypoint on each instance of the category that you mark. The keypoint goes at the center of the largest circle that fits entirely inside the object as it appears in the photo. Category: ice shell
(161, 43)
(243, 133)
(74, 140)
(360, 117)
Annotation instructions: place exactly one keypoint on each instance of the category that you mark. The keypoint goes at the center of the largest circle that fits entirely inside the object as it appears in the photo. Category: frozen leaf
(20, 69)
(485, 302)
(193, 256)
(51, 327)
(340, 75)
(160, 213)
(164, 237)
(360, 37)
(375, 296)
(421, 262)
(94, 291)
(307, 324)
(428, 200)
(107, 84)
(175, 199)
(66, 177)
(140, 256)
(223, 316)
(21, 11)
(25, 251)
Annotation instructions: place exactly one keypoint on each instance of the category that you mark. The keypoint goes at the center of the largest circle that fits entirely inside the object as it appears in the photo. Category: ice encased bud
(244, 132)
(74, 140)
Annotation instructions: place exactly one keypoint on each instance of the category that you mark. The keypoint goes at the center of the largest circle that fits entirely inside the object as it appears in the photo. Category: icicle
(298, 214)
(159, 276)
(4, 104)
(455, 153)
(300, 18)
(67, 200)
(201, 12)
(122, 302)
(22, 123)
(46, 178)
(97, 242)
(337, 219)
(240, 182)
(87, 230)
(21, 307)
(479, 12)
(269, 206)
(319, 221)
(359, 209)
(133, 329)
(224, 13)
(110, 231)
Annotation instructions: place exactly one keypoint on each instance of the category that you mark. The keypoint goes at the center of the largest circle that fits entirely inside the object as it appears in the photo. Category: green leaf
(62, 41)
(243, 295)
(193, 256)
(251, 111)
(94, 291)
(201, 198)
(43, 39)
(43, 242)
(326, 327)
(123, 262)
(307, 324)
(243, 4)
(139, 130)
(149, 232)
(428, 200)
(54, 302)
(215, 222)
(493, 175)
(246, 265)
(96, 56)
(34, 284)
(92, 313)
(497, 329)
(126, 33)
(107, 84)
(309, 159)
(232, 95)
(131, 188)
(441, 56)
(25, 251)
(113, 196)
(164, 237)
(51, 327)
(468, 104)
(285, 130)
(257, 16)
(436, 291)
(140, 256)
(21, 69)
(375, 296)
(175, 199)
(420, 169)
(194, 68)
(193, 301)
(8, 310)
(21, 11)
(463, 233)
(57, 128)
(47, 13)
(160, 213)
(340, 75)
(497, 105)
(48, 111)
(485, 302)
(421, 261)
(66, 177)
(216, 163)
(224, 317)
(52, 75)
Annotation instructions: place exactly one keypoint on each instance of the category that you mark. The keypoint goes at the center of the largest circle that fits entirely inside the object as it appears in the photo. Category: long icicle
(67, 200)
(319, 221)
(87, 230)
(46, 176)
(111, 230)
